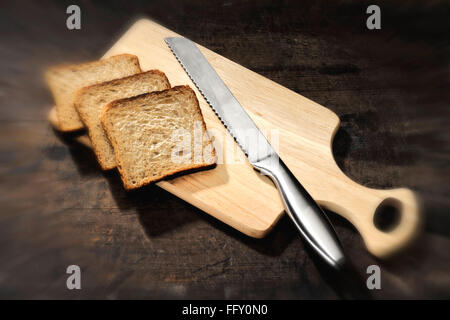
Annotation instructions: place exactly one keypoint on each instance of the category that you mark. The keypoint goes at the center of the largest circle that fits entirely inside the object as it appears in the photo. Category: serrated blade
(219, 97)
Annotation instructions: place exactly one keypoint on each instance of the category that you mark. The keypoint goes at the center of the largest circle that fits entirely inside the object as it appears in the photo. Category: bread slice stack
(135, 121)
(89, 103)
(65, 80)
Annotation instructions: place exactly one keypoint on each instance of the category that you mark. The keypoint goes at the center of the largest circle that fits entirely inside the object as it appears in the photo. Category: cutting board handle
(388, 220)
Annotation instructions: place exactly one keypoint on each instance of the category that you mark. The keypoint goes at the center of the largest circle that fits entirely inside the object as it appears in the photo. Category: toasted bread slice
(65, 80)
(154, 134)
(89, 102)
(53, 119)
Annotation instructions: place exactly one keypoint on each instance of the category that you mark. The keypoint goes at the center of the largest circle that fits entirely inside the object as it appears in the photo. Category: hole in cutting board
(387, 215)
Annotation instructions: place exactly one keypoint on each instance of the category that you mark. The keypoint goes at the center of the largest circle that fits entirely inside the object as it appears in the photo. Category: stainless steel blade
(219, 97)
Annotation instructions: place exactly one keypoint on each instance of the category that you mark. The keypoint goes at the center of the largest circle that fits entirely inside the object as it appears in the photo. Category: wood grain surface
(389, 87)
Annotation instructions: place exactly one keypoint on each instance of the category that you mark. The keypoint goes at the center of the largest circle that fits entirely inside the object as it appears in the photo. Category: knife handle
(307, 216)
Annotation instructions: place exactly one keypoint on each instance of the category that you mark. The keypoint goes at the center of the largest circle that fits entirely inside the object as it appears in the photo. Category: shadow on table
(160, 212)
(154, 205)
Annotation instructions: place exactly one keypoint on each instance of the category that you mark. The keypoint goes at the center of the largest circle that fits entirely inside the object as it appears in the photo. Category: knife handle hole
(387, 215)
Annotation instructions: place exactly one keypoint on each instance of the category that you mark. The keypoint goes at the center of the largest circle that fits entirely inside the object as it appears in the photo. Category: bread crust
(119, 80)
(82, 65)
(119, 102)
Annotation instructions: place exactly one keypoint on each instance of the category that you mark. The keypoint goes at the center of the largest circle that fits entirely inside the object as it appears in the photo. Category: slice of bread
(65, 80)
(146, 132)
(89, 102)
(53, 119)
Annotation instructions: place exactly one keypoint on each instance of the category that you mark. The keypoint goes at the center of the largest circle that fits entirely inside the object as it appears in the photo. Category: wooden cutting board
(239, 196)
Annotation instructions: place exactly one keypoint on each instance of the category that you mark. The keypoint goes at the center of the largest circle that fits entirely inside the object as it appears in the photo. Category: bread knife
(307, 216)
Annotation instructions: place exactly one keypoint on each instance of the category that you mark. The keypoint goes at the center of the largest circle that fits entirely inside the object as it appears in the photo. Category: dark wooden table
(390, 87)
